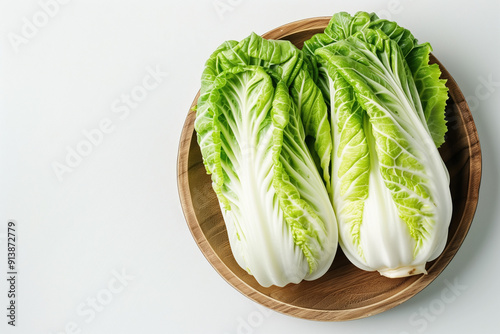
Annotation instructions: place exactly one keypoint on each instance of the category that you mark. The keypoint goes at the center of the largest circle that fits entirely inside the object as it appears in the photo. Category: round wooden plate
(344, 292)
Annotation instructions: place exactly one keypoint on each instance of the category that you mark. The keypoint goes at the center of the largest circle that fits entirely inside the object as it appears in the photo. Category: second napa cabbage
(389, 185)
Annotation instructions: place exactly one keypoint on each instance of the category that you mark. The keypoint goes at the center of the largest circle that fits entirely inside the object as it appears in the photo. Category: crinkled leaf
(432, 90)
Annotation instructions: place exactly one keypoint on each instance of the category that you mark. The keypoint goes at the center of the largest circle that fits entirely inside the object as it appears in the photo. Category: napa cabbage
(389, 185)
(258, 104)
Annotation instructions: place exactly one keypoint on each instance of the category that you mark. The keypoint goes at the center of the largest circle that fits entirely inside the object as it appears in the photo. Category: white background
(118, 210)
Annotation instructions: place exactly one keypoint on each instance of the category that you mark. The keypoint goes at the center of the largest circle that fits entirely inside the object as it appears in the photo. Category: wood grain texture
(344, 292)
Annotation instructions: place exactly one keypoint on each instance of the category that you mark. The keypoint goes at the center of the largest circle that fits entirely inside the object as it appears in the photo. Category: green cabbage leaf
(432, 90)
